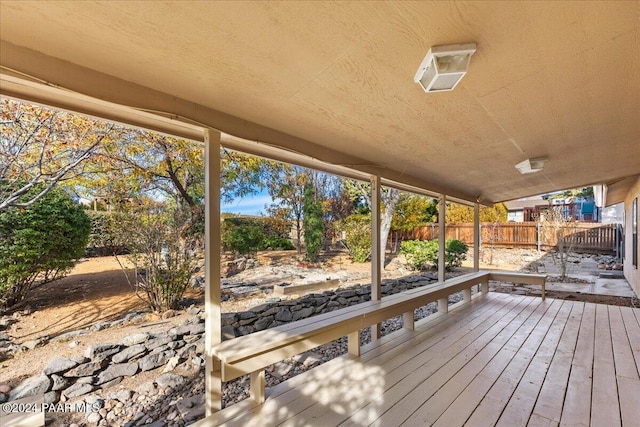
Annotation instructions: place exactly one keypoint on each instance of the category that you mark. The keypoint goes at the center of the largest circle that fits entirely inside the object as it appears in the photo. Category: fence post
(538, 238)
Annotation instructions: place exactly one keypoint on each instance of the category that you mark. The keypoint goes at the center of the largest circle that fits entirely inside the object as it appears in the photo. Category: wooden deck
(501, 360)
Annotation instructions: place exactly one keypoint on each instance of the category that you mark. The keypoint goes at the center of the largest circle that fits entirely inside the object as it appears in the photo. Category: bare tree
(559, 228)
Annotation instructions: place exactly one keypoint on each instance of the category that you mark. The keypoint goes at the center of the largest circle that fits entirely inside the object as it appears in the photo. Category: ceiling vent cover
(444, 66)
(531, 165)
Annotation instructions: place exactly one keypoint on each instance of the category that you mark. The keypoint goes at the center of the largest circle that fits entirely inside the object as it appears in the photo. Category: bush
(245, 236)
(275, 243)
(39, 243)
(421, 254)
(357, 230)
(103, 237)
(454, 253)
(161, 257)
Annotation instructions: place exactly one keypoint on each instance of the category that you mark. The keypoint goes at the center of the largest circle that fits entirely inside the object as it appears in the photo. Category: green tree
(39, 242)
(313, 224)
(287, 190)
(460, 214)
(413, 211)
(389, 198)
(357, 231)
(40, 148)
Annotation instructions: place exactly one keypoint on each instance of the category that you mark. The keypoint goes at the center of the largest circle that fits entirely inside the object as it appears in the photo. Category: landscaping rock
(59, 364)
(117, 370)
(129, 353)
(77, 390)
(58, 382)
(157, 342)
(170, 380)
(134, 339)
(102, 350)
(153, 361)
(32, 386)
(86, 369)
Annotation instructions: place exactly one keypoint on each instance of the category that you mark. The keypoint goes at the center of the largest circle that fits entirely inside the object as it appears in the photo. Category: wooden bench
(251, 354)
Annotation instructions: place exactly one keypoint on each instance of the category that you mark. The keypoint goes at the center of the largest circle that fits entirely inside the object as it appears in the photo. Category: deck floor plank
(551, 397)
(519, 384)
(500, 360)
(605, 409)
(412, 373)
(478, 353)
(633, 332)
(506, 366)
(577, 405)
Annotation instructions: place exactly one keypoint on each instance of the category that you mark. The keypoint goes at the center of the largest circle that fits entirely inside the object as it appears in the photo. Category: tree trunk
(390, 198)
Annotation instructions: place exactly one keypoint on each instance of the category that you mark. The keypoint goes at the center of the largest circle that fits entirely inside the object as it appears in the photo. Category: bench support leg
(443, 305)
(214, 385)
(485, 287)
(257, 386)
(353, 343)
(407, 320)
(466, 295)
(543, 292)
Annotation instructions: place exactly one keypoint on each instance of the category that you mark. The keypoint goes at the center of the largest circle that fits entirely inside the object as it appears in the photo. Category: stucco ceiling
(559, 80)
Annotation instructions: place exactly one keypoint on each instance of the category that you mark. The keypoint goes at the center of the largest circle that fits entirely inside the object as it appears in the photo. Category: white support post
(476, 237)
(376, 250)
(442, 210)
(213, 330)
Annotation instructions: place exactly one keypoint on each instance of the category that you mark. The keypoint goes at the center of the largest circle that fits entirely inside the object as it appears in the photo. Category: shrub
(103, 237)
(245, 236)
(357, 230)
(242, 235)
(421, 254)
(161, 257)
(275, 243)
(454, 253)
(39, 243)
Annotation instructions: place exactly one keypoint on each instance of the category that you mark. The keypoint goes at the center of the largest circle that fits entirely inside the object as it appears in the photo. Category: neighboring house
(530, 208)
(627, 191)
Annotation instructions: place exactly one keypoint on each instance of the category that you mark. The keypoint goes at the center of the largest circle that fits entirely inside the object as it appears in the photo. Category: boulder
(59, 364)
(129, 353)
(134, 339)
(117, 370)
(32, 386)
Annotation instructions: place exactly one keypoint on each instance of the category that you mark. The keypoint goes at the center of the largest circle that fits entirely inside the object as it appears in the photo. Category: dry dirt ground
(97, 290)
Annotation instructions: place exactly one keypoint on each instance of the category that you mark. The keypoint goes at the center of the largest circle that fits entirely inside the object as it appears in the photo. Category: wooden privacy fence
(578, 237)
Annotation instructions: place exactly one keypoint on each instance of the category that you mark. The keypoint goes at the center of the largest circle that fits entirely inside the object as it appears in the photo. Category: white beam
(442, 211)
(377, 250)
(476, 237)
(213, 330)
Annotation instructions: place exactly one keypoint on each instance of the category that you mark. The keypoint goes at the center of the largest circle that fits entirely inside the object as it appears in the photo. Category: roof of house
(334, 81)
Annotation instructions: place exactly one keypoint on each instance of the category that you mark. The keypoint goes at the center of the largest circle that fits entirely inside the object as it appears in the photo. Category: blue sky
(249, 205)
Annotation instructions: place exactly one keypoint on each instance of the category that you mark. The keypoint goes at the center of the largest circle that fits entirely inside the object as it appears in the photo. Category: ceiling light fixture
(444, 66)
(531, 165)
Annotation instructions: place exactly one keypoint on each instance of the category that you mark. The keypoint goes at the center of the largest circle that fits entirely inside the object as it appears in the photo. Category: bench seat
(250, 354)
